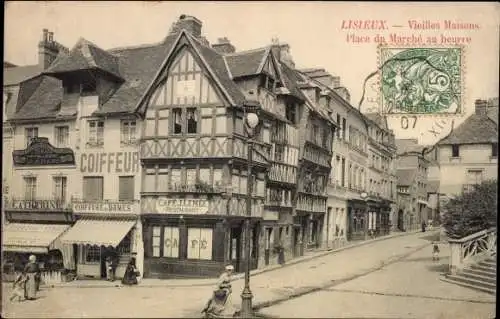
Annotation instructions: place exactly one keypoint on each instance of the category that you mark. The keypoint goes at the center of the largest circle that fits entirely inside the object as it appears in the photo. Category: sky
(312, 29)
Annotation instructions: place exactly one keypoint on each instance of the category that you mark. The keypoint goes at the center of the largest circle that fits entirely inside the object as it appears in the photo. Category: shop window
(126, 188)
(93, 187)
(199, 243)
(171, 242)
(156, 241)
(92, 254)
(125, 245)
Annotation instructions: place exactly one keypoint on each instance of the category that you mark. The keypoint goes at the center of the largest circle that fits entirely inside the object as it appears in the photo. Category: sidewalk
(148, 282)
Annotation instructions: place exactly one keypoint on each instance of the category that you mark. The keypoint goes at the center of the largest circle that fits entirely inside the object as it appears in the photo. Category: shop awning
(98, 232)
(31, 238)
(423, 202)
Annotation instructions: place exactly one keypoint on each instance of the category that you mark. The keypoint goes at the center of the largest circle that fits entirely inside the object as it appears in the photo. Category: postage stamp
(421, 81)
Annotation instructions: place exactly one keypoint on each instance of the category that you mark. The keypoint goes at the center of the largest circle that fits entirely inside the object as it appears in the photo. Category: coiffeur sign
(102, 207)
(179, 206)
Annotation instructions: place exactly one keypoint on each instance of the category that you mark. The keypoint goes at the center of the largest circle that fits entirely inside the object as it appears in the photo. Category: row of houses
(146, 151)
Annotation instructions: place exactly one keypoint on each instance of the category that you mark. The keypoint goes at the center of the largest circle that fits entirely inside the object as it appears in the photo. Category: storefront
(357, 219)
(105, 229)
(184, 238)
(34, 227)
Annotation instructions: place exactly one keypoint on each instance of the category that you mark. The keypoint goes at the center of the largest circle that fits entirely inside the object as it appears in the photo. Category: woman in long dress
(32, 271)
(130, 276)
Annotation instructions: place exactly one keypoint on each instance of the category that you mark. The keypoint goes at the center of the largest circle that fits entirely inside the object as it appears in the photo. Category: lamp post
(364, 196)
(252, 120)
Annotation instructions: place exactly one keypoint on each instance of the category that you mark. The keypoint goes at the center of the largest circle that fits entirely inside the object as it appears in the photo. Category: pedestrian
(221, 290)
(423, 226)
(131, 273)
(435, 252)
(109, 270)
(18, 287)
(114, 265)
(32, 271)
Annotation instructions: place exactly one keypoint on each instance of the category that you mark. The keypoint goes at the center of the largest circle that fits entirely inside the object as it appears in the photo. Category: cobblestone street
(345, 279)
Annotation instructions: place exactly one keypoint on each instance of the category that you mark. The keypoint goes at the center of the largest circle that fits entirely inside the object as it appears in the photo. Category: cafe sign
(40, 152)
(103, 207)
(178, 206)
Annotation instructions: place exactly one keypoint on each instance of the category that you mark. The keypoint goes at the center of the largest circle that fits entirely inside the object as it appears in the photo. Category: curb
(252, 273)
(308, 290)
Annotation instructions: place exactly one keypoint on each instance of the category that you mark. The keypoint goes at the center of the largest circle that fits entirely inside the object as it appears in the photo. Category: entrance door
(296, 241)
(235, 248)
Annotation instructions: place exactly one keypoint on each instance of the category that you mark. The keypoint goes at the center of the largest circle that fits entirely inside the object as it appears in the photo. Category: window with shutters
(126, 188)
(128, 132)
(30, 188)
(61, 137)
(93, 188)
(95, 132)
(475, 176)
(30, 133)
(60, 187)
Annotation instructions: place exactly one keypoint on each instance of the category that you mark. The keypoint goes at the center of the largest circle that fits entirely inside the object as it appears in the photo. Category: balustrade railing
(472, 249)
(283, 173)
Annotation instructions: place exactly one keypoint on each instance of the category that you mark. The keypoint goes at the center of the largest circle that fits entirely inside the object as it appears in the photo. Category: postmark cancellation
(421, 80)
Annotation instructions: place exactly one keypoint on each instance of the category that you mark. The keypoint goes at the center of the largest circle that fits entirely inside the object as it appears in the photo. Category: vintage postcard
(170, 159)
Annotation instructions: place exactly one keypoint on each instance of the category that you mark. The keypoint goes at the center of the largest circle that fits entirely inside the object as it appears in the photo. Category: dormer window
(89, 88)
(291, 112)
(268, 83)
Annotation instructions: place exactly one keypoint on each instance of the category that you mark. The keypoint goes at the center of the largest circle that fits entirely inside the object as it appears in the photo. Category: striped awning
(31, 238)
(98, 232)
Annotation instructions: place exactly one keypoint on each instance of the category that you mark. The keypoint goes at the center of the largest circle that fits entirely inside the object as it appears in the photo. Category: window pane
(190, 176)
(220, 125)
(126, 188)
(93, 188)
(171, 242)
(149, 183)
(199, 243)
(217, 177)
(177, 120)
(205, 175)
(163, 182)
(175, 177)
(192, 120)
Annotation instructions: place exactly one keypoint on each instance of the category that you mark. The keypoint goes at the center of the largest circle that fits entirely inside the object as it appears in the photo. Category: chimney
(282, 53)
(481, 107)
(223, 46)
(48, 49)
(189, 23)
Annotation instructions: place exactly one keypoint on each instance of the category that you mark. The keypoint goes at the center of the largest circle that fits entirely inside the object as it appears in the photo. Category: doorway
(235, 248)
(296, 241)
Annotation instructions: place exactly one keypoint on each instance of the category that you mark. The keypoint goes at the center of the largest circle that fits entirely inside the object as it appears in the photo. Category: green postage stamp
(421, 80)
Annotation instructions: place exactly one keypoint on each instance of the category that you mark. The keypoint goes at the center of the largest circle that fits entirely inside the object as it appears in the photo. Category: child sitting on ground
(18, 286)
(435, 252)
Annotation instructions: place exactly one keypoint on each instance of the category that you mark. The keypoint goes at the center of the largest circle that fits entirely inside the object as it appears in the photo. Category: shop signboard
(181, 206)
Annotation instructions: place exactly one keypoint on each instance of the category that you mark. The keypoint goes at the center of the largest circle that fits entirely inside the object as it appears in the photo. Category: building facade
(72, 133)
(382, 176)
(469, 154)
(412, 168)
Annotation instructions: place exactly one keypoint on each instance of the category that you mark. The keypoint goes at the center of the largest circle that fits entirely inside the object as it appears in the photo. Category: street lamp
(252, 120)
(364, 196)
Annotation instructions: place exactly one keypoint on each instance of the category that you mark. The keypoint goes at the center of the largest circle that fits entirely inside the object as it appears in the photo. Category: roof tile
(476, 129)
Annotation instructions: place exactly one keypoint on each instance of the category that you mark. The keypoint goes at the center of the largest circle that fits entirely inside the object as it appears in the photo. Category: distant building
(412, 169)
(469, 155)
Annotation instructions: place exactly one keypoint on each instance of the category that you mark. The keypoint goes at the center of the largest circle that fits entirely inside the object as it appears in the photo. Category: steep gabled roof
(406, 177)
(246, 63)
(42, 101)
(17, 74)
(476, 129)
(85, 55)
